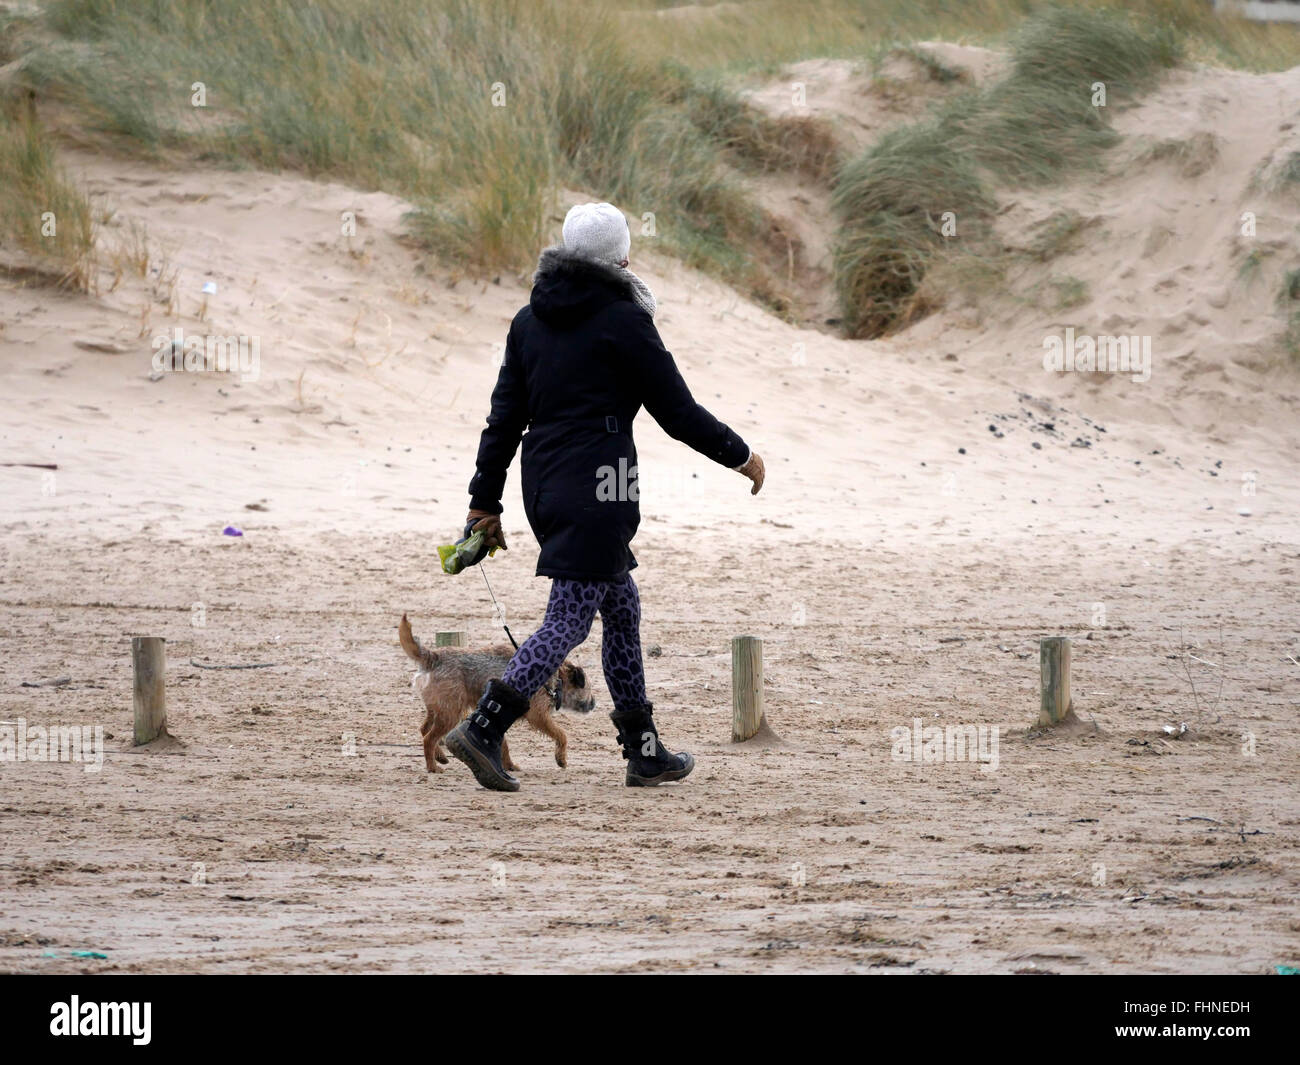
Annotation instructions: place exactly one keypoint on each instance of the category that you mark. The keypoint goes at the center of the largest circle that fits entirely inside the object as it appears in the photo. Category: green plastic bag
(463, 553)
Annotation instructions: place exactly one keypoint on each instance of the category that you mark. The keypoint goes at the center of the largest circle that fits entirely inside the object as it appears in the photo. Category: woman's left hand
(754, 470)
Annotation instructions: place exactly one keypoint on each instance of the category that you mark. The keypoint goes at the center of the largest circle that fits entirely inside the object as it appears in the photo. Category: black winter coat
(580, 361)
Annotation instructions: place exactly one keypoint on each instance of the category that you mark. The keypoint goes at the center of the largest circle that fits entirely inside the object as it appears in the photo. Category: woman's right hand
(490, 526)
(753, 469)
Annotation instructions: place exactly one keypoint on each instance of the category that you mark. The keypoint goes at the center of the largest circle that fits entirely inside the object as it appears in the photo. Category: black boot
(476, 741)
(649, 762)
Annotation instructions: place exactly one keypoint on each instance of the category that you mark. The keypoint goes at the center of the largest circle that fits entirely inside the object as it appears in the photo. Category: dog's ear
(577, 677)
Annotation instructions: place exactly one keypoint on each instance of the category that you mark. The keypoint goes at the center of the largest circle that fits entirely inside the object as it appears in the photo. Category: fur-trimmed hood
(569, 288)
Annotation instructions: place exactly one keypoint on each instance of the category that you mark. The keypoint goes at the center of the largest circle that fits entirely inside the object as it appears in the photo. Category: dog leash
(513, 641)
(558, 693)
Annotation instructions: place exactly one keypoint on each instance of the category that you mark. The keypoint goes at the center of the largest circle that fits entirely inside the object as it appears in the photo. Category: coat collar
(560, 261)
(569, 287)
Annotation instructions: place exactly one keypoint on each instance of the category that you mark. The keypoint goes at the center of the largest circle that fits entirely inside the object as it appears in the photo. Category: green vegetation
(480, 111)
(476, 112)
(1289, 300)
(759, 35)
(46, 224)
(1034, 125)
(1288, 174)
(1068, 292)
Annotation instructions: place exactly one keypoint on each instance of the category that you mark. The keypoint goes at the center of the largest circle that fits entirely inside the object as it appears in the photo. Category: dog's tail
(427, 659)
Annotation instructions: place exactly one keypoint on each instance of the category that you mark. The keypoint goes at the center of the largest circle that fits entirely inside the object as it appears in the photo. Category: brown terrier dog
(450, 682)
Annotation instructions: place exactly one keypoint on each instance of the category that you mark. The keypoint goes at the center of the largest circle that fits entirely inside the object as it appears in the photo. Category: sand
(909, 549)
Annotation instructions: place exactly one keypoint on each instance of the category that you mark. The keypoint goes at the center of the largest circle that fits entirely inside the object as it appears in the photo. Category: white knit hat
(598, 231)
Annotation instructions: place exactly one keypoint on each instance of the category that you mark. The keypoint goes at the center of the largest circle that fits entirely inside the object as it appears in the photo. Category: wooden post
(746, 687)
(1054, 680)
(449, 639)
(149, 691)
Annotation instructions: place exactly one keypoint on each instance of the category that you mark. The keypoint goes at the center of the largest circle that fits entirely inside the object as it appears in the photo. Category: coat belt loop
(611, 423)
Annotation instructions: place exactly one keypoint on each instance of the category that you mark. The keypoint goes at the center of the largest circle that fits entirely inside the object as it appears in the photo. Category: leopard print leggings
(569, 613)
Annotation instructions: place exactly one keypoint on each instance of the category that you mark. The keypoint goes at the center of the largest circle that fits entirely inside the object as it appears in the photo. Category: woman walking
(580, 361)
